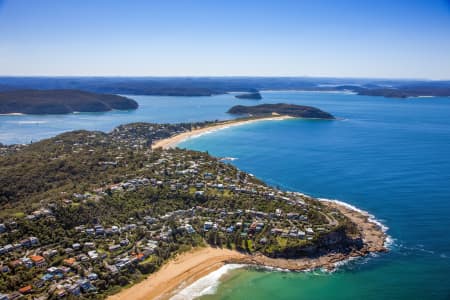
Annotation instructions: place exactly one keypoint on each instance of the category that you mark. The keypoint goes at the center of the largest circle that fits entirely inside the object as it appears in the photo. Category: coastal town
(119, 208)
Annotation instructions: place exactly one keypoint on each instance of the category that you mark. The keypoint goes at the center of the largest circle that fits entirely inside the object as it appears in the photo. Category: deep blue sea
(390, 157)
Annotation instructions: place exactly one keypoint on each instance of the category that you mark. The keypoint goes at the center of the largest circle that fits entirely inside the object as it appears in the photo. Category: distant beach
(12, 114)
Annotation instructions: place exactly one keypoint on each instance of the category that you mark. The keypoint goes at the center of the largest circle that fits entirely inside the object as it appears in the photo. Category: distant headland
(252, 96)
(298, 111)
(211, 86)
(61, 102)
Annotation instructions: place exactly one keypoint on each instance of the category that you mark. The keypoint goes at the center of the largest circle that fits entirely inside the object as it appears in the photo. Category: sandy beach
(176, 139)
(188, 267)
(183, 270)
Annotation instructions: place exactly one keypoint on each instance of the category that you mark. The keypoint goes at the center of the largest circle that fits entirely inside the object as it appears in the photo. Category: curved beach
(182, 271)
(188, 267)
(172, 141)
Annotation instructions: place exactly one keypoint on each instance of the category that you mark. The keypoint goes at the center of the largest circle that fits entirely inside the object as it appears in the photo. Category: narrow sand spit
(172, 141)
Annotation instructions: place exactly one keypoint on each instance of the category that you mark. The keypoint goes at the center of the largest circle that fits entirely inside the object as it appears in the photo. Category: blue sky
(346, 38)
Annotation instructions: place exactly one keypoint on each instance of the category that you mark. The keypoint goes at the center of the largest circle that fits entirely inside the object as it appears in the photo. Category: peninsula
(292, 110)
(61, 102)
(66, 231)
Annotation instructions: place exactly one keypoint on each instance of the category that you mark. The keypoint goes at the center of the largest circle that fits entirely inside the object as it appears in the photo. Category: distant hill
(281, 109)
(407, 91)
(209, 86)
(252, 96)
(61, 102)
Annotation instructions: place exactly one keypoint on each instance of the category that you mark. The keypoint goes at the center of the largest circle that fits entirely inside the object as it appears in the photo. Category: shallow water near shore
(389, 157)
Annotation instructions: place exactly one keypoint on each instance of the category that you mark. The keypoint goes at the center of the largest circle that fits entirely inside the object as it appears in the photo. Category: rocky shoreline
(189, 267)
(372, 235)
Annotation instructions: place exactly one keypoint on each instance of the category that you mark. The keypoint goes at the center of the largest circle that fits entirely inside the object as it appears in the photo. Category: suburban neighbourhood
(143, 205)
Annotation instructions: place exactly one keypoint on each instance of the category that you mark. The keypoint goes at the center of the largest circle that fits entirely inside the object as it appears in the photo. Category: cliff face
(61, 102)
(337, 241)
(293, 110)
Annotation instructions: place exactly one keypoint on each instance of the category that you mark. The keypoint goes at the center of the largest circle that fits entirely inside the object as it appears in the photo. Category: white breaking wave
(200, 134)
(228, 158)
(206, 285)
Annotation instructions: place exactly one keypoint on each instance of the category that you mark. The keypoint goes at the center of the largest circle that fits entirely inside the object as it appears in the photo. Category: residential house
(113, 248)
(47, 277)
(27, 262)
(26, 289)
(82, 257)
(50, 253)
(38, 261)
(69, 261)
(86, 286)
(309, 231)
(26, 243)
(68, 250)
(189, 228)
(124, 242)
(207, 226)
(199, 193)
(93, 254)
(60, 293)
(74, 289)
(92, 276)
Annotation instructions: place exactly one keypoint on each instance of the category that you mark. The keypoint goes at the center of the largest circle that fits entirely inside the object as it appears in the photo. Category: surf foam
(371, 218)
(206, 285)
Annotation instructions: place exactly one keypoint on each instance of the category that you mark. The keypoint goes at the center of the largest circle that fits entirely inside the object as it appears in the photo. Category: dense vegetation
(292, 110)
(60, 102)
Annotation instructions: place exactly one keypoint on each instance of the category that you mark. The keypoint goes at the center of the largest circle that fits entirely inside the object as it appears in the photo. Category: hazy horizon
(225, 76)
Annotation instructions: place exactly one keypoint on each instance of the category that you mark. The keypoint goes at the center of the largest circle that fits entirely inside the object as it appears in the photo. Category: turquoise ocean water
(390, 157)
